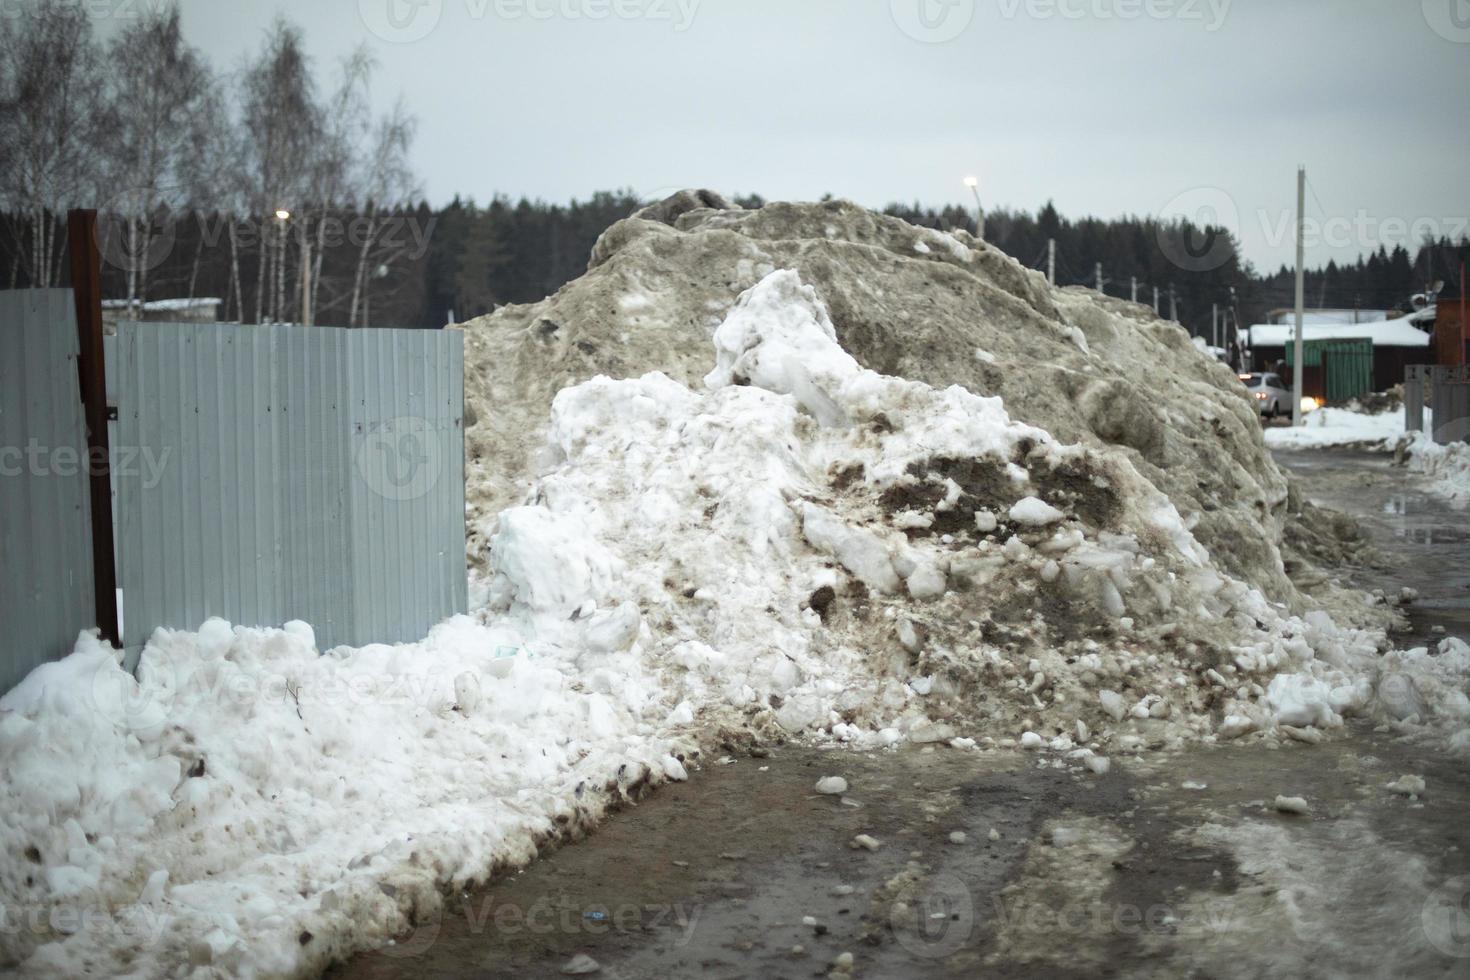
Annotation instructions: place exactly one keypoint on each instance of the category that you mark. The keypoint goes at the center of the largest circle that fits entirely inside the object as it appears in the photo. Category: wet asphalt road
(1429, 541)
(1170, 865)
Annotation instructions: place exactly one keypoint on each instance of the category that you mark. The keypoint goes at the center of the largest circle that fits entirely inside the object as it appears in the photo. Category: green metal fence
(1347, 365)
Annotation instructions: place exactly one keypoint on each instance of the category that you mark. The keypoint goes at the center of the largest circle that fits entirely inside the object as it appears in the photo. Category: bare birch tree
(281, 120)
(389, 184)
(161, 95)
(51, 113)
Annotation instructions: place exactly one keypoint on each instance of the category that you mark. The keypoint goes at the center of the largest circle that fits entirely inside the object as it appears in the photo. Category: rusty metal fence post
(86, 284)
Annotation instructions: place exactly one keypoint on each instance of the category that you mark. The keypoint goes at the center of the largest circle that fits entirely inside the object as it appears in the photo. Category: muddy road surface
(1008, 864)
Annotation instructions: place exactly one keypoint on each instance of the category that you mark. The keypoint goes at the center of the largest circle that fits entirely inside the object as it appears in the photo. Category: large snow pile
(814, 545)
(907, 302)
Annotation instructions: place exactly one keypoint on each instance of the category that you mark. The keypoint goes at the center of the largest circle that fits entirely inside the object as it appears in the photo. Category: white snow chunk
(1291, 804)
(674, 769)
(925, 731)
(1034, 511)
(927, 581)
(1407, 785)
(865, 842)
(1234, 726)
(832, 785)
(580, 965)
(859, 550)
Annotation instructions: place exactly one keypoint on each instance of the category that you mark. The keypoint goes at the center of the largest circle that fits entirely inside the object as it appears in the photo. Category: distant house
(1322, 316)
(1395, 343)
(200, 309)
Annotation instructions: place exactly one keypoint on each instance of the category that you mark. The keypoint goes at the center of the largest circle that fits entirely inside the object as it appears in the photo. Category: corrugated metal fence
(1449, 400)
(46, 595)
(269, 473)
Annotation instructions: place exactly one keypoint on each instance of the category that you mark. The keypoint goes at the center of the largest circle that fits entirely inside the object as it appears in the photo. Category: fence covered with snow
(46, 594)
(270, 473)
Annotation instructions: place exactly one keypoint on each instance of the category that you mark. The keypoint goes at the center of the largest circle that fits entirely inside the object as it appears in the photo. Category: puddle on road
(1433, 534)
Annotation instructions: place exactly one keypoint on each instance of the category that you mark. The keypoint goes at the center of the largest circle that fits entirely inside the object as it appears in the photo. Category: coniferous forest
(277, 188)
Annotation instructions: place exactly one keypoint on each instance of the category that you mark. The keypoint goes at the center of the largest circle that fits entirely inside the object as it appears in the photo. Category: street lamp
(973, 183)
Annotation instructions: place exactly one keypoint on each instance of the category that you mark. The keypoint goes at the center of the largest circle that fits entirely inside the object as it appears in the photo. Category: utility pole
(1051, 261)
(1097, 274)
(1156, 301)
(1215, 324)
(1173, 304)
(1296, 344)
(1133, 289)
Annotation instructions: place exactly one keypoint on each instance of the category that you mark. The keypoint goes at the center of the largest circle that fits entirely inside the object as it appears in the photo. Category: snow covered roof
(1403, 331)
(1327, 316)
(165, 305)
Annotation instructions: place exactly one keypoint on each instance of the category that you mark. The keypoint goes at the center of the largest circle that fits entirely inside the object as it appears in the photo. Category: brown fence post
(86, 284)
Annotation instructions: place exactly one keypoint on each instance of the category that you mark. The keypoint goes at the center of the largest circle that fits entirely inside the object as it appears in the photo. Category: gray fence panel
(407, 398)
(280, 498)
(46, 590)
(1450, 402)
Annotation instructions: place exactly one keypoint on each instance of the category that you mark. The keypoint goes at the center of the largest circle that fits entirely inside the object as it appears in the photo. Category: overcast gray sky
(1105, 106)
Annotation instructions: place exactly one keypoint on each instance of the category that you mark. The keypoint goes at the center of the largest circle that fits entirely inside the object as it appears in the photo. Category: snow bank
(251, 807)
(1447, 467)
(1328, 427)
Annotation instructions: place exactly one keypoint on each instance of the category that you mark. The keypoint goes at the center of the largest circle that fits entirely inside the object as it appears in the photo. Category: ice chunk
(1034, 511)
(1291, 804)
(859, 550)
(832, 785)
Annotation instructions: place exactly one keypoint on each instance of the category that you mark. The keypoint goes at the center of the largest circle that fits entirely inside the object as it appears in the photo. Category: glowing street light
(282, 214)
(973, 183)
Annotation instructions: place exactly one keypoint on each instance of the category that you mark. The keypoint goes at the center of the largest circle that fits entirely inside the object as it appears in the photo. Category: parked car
(1271, 395)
